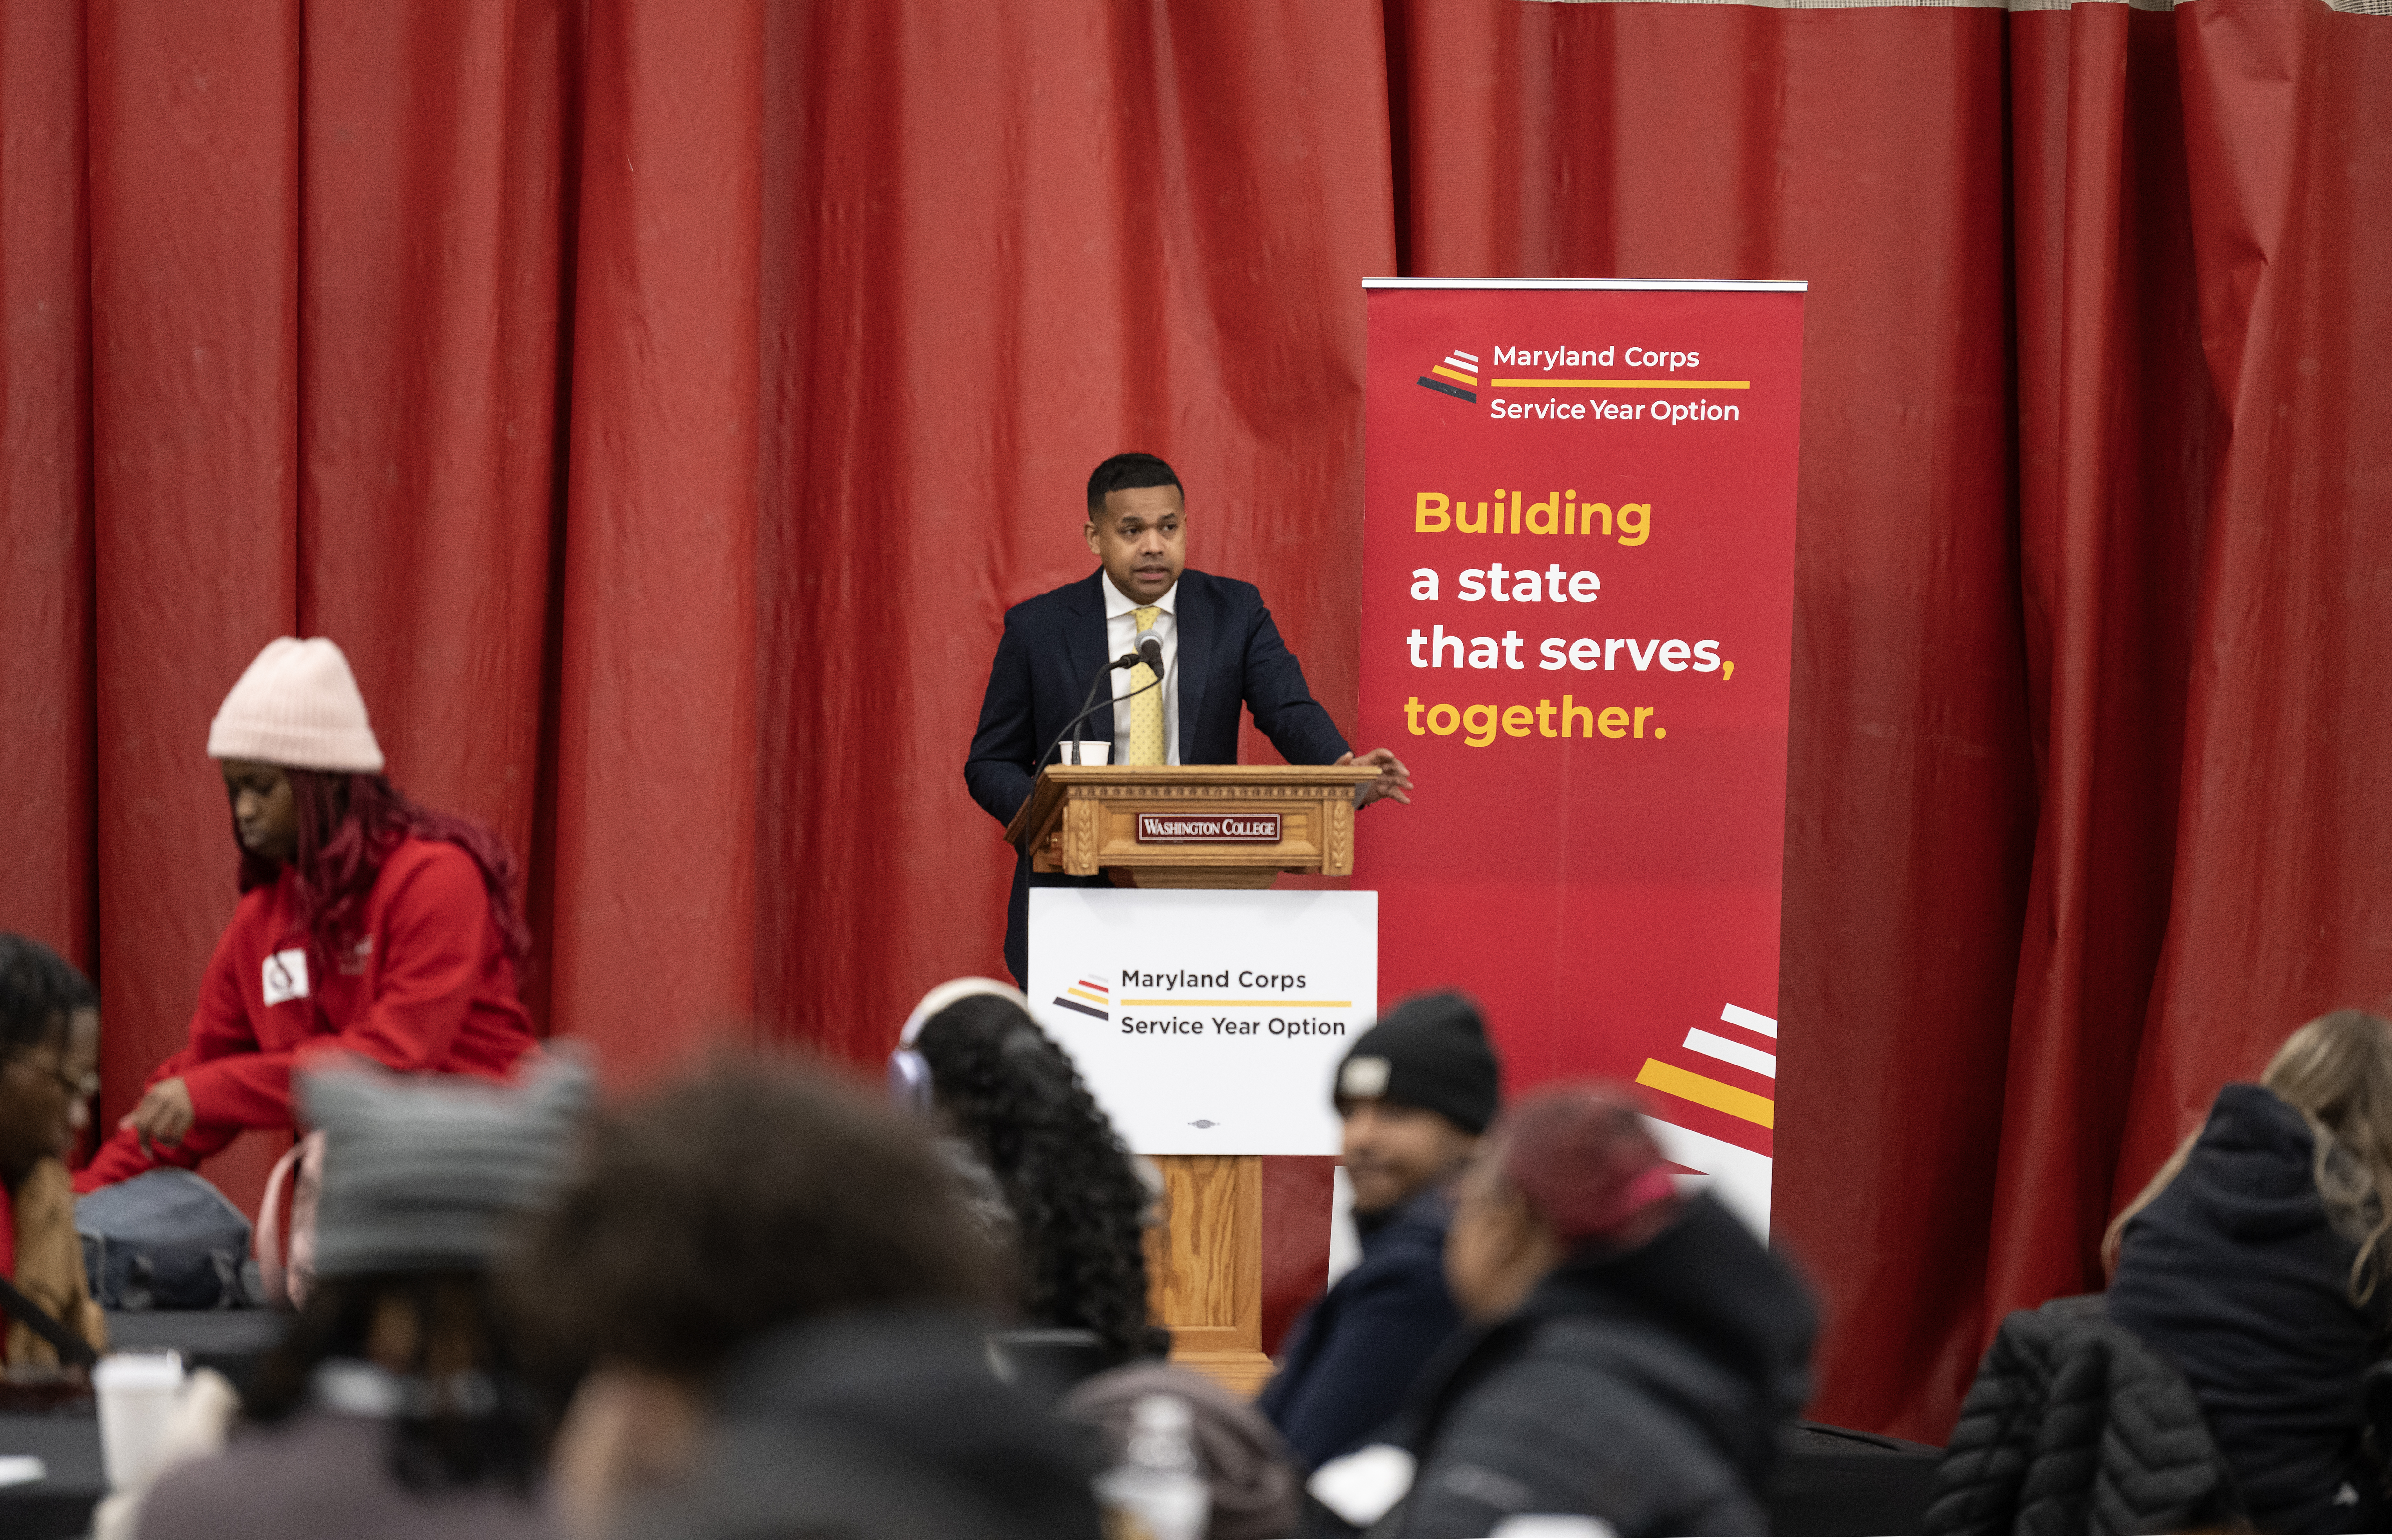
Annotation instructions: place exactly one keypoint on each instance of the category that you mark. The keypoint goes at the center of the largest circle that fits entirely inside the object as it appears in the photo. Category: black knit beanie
(1430, 1052)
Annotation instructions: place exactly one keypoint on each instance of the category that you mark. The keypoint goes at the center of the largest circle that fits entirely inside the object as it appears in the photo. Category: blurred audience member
(394, 1406)
(1074, 1204)
(366, 923)
(1246, 1465)
(780, 1307)
(1633, 1357)
(2255, 1262)
(49, 1040)
(1416, 1092)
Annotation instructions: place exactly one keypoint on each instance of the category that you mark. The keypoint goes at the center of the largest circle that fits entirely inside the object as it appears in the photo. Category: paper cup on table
(1093, 751)
(136, 1393)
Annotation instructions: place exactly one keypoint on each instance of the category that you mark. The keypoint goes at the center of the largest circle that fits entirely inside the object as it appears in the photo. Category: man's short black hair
(1123, 472)
(39, 991)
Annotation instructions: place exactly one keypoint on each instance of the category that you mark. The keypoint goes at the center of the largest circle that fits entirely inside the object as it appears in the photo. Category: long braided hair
(348, 826)
(1079, 1207)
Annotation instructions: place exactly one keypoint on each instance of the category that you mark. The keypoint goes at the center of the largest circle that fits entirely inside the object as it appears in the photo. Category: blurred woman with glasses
(49, 1038)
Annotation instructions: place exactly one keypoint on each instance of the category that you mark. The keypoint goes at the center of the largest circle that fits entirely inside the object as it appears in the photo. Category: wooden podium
(1199, 826)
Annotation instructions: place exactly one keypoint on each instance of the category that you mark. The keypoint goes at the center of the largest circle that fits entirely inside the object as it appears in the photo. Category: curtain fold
(45, 605)
(662, 407)
(194, 149)
(2280, 908)
(2117, 430)
(435, 227)
(655, 919)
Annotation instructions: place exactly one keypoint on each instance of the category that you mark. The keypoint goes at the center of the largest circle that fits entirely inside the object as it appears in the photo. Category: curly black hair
(752, 1195)
(39, 991)
(1078, 1206)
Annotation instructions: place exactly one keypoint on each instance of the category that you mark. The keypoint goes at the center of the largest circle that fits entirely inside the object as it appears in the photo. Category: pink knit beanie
(297, 706)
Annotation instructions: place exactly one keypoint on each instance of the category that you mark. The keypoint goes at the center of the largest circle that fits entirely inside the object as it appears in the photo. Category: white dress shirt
(1121, 636)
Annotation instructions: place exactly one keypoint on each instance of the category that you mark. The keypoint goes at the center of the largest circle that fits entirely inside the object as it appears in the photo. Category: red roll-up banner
(1576, 629)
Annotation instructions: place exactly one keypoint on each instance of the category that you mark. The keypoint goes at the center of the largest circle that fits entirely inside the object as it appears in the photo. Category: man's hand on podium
(1394, 779)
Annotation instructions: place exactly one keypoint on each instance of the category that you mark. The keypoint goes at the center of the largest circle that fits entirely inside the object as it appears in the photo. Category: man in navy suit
(1220, 652)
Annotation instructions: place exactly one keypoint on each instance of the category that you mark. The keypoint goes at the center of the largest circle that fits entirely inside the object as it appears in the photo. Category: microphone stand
(1087, 705)
(1127, 660)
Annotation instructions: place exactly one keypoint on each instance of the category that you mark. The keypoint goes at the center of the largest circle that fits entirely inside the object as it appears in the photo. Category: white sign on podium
(1207, 1021)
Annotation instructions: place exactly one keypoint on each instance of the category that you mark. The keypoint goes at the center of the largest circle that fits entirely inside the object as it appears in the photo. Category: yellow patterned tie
(1145, 710)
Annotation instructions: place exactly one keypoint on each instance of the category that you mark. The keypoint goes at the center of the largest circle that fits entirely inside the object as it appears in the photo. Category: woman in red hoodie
(367, 924)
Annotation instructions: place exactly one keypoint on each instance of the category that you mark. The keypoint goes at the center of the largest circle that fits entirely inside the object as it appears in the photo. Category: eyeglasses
(81, 1087)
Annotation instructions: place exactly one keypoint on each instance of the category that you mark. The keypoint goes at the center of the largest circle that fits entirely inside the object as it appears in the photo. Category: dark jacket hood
(1711, 1291)
(2235, 1273)
(1703, 1318)
(2253, 1174)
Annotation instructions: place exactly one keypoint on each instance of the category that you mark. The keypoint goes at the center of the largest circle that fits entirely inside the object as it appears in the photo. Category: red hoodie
(427, 989)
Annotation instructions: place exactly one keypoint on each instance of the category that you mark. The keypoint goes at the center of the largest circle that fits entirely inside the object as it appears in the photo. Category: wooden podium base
(1204, 1267)
(1168, 826)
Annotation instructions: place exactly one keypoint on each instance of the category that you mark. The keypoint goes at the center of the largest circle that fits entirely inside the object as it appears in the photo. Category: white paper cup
(136, 1393)
(1093, 751)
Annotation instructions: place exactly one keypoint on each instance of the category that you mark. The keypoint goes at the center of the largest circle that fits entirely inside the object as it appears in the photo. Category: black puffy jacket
(2236, 1276)
(2073, 1425)
(1648, 1388)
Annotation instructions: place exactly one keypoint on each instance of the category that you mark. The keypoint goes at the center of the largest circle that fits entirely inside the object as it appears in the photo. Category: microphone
(1150, 652)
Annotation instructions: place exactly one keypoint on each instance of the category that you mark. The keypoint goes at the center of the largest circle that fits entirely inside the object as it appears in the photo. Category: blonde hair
(2336, 1072)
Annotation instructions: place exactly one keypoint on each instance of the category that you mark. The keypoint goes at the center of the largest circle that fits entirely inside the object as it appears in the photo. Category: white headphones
(909, 1073)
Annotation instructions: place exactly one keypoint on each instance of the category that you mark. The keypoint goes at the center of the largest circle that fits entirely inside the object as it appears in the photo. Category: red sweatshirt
(427, 989)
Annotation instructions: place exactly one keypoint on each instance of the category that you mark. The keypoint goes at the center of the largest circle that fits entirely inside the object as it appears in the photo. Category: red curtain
(661, 404)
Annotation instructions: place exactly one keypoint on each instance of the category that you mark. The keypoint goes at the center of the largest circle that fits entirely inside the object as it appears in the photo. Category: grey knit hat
(433, 1171)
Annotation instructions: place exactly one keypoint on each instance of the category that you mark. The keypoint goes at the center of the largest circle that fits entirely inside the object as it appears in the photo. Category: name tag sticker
(286, 976)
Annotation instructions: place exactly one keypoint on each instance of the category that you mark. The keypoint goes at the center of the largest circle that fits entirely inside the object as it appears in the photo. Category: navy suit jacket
(1229, 655)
